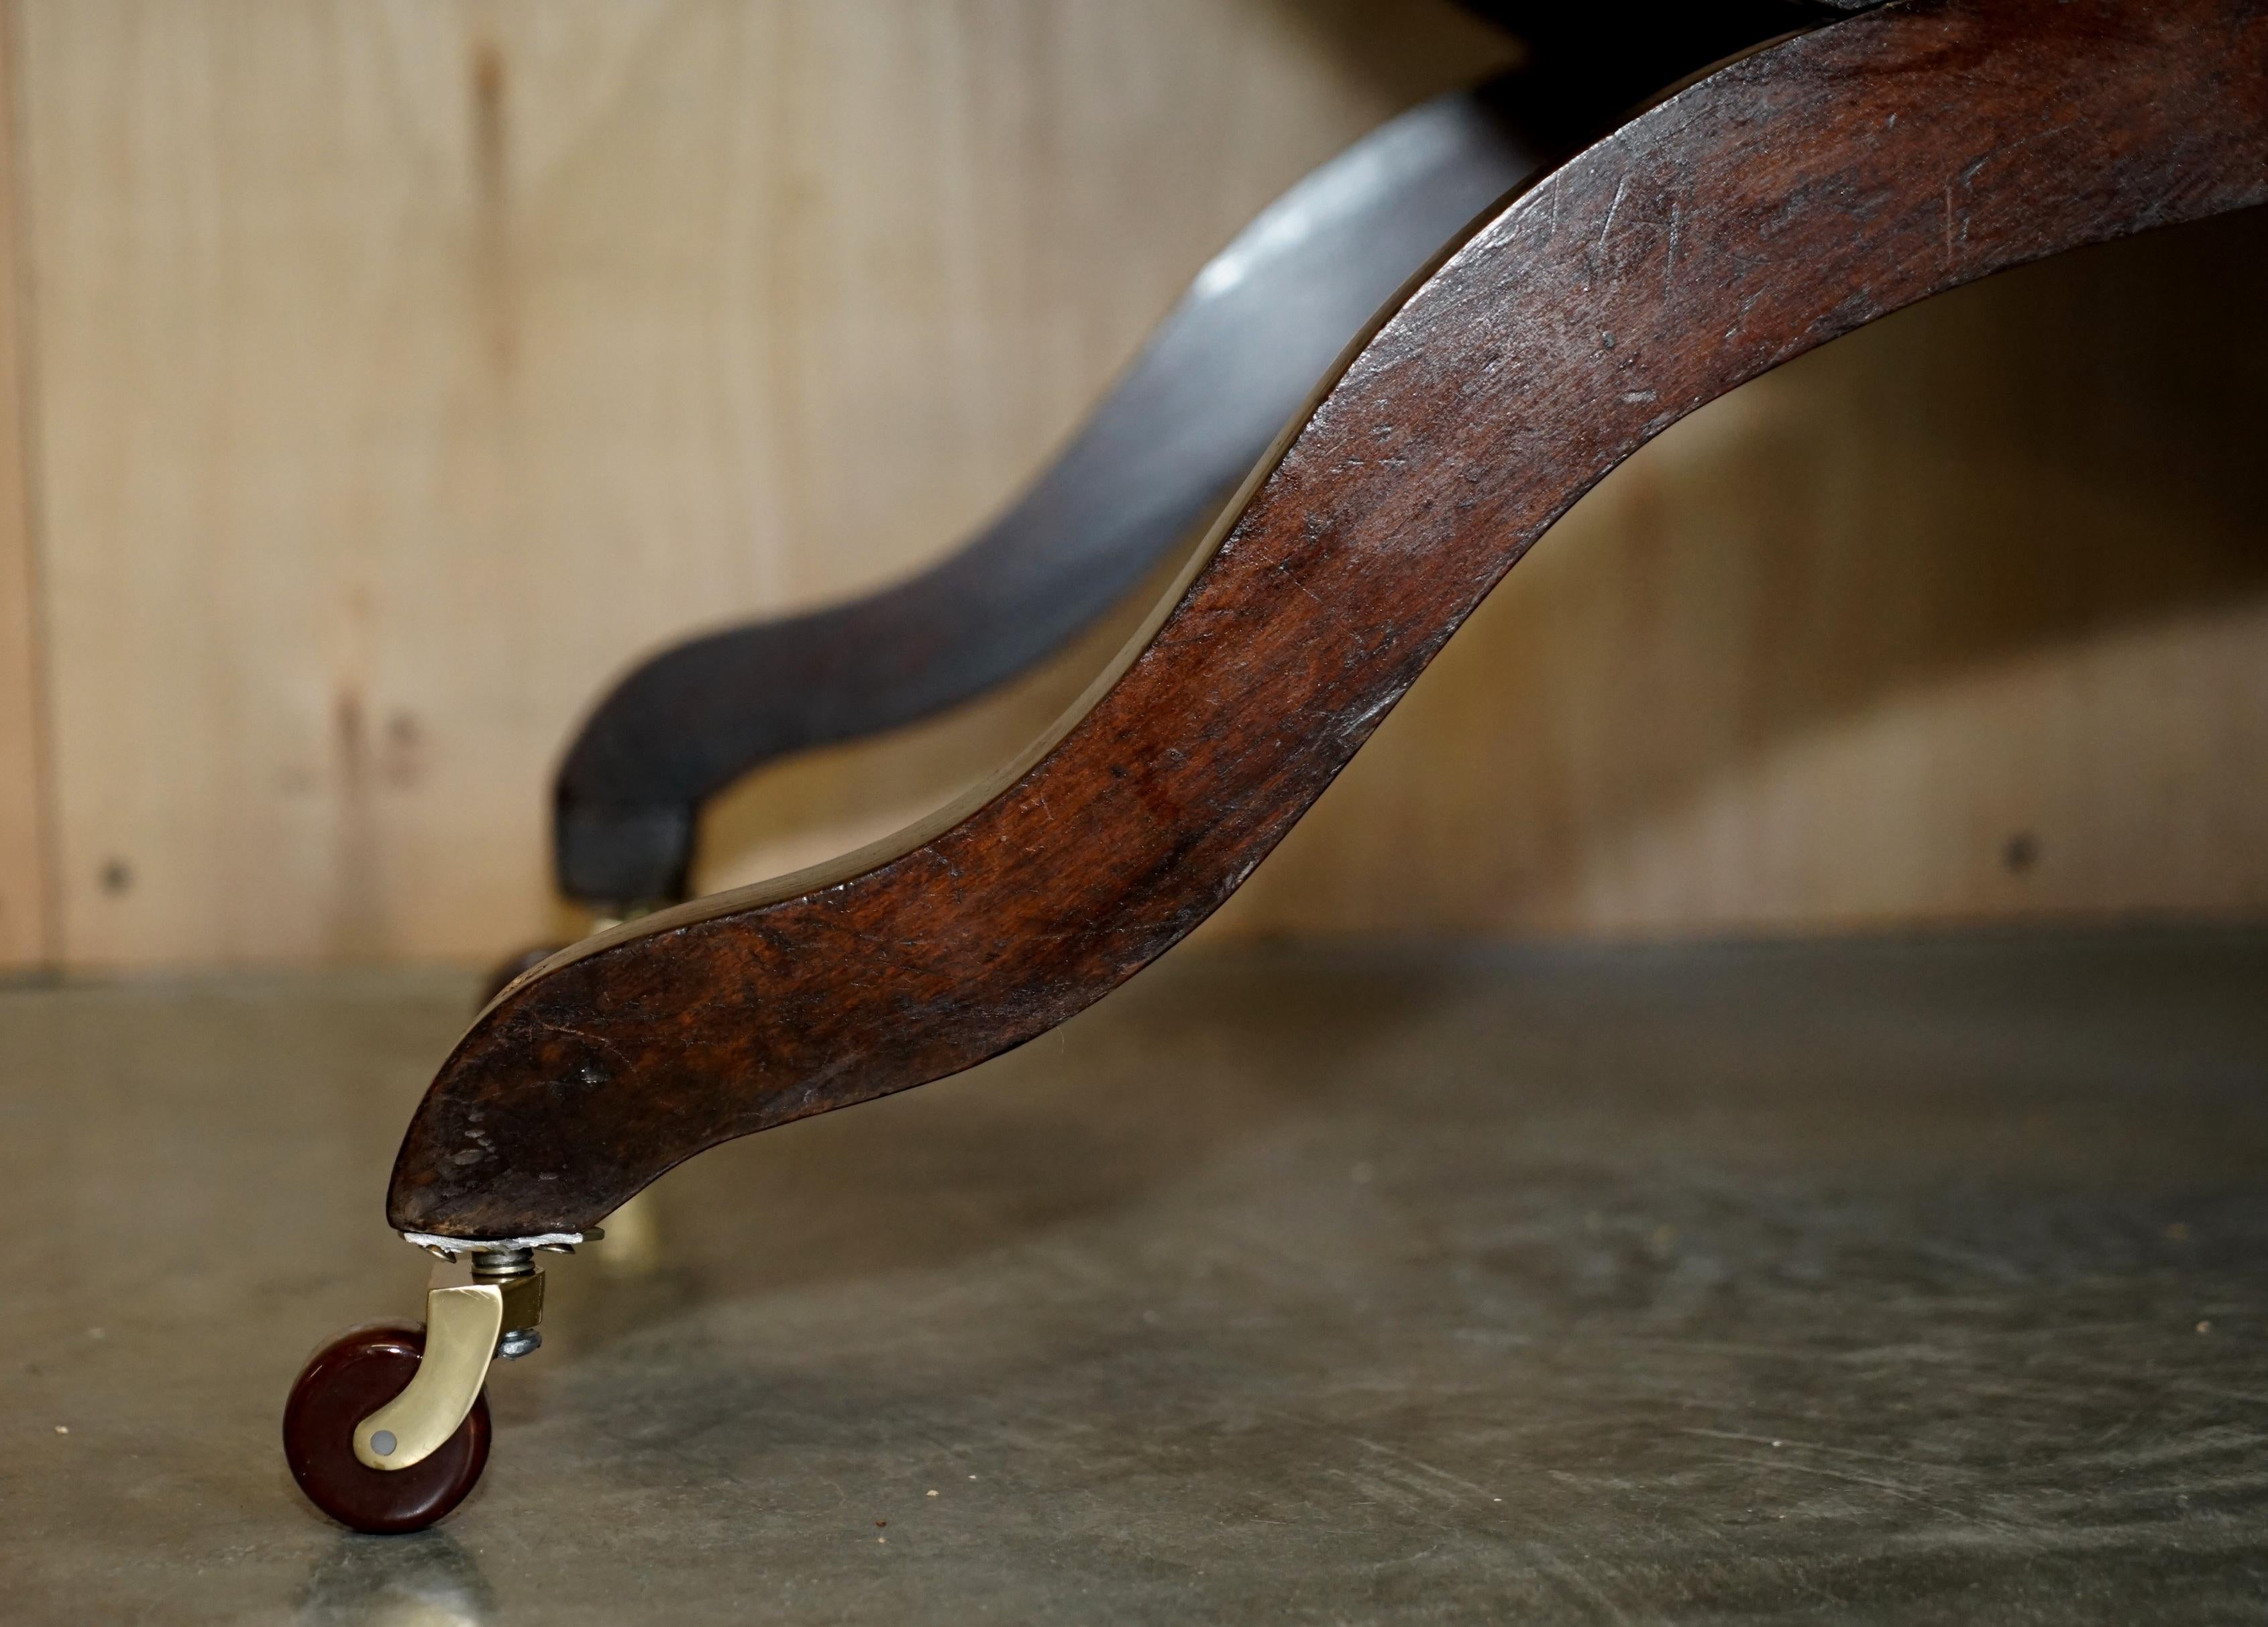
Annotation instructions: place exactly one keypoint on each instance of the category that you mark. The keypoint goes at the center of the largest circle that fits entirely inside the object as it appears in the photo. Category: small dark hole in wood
(2021, 852)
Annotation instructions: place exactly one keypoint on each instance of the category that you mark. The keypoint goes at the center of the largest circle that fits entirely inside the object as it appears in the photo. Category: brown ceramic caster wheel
(347, 1381)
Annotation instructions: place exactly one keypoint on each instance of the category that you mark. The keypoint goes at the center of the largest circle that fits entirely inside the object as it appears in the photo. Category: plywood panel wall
(400, 369)
(408, 367)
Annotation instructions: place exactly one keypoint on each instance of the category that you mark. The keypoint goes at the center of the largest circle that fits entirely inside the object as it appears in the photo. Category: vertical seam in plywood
(44, 809)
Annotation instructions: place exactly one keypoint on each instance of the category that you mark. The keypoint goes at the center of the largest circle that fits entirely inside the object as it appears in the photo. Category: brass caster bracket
(474, 1313)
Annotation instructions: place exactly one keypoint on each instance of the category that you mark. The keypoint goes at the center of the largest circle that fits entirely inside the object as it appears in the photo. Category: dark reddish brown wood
(343, 1383)
(1780, 202)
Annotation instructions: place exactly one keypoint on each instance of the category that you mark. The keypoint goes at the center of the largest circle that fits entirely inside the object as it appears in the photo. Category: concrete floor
(1871, 1282)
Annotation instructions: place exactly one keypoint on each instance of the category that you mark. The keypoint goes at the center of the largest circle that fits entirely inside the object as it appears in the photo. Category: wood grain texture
(409, 367)
(1778, 204)
(26, 942)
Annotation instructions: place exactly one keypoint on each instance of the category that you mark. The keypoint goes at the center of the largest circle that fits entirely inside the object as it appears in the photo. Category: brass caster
(387, 1428)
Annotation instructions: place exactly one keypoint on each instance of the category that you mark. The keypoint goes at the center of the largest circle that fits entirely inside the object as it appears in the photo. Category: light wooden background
(378, 376)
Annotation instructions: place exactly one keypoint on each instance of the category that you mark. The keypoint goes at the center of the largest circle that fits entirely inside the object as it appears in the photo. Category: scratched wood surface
(403, 369)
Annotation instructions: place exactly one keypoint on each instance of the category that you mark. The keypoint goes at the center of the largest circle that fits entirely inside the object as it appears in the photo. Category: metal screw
(506, 1265)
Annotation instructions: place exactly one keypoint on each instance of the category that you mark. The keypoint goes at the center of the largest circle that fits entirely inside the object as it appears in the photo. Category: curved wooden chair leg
(1229, 364)
(1214, 384)
(1784, 200)
(1211, 389)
